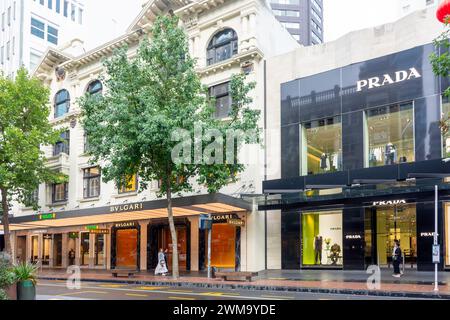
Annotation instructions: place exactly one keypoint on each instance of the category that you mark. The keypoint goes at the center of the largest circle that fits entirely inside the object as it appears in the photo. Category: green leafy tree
(440, 61)
(24, 128)
(152, 102)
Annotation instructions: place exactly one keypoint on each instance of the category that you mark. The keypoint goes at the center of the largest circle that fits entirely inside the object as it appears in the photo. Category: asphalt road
(57, 290)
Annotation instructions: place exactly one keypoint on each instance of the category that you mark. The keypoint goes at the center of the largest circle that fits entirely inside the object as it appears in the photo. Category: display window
(46, 249)
(321, 146)
(99, 253)
(127, 248)
(34, 249)
(322, 239)
(223, 245)
(389, 135)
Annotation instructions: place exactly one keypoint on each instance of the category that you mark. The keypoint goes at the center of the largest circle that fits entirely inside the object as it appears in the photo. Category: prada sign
(388, 203)
(388, 79)
(126, 207)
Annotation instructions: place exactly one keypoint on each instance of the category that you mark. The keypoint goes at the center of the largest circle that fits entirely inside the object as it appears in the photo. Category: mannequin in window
(318, 242)
(390, 154)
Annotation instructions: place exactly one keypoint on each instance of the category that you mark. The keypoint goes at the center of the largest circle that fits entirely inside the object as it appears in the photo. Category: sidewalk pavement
(413, 284)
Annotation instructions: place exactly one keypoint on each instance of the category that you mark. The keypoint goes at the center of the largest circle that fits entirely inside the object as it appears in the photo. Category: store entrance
(396, 223)
(160, 238)
(57, 250)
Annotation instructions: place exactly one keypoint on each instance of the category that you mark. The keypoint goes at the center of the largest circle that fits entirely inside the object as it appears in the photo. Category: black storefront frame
(353, 252)
(114, 229)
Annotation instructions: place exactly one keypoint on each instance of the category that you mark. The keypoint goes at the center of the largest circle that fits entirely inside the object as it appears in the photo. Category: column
(194, 243)
(51, 263)
(108, 250)
(91, 250)
(143, 245)
(78, 250)
(64, 250)
(28, 248)
(252, 22)
(13, 246)
(40, 247)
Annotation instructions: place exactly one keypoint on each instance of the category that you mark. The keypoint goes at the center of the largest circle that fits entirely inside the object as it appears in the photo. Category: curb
(393, 294)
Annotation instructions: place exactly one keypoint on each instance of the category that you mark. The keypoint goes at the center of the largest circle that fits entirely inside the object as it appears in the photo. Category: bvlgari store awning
(182, 207)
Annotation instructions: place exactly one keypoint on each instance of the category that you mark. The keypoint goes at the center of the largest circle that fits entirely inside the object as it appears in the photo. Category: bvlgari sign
(388, 79)
(126, 207)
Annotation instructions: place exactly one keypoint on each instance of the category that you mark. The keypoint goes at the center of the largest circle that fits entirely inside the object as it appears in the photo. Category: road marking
(277, 279)
(224, 295)
(151, 288)
(136, 295)
(185, 291)
(219, 294)
(80, 292)
(112, 285)
(181, 298)
(278, 297)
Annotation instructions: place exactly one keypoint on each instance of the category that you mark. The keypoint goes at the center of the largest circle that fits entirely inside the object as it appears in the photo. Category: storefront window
(389, 135)
(127, 248)
(445, 130)
(34, 249)
(322, 239)
(84, 248)
(223, 246)
(46, 249)
(321, 146)
(99, 254)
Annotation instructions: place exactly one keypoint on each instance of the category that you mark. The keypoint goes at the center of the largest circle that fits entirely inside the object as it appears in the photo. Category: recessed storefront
(125, 245)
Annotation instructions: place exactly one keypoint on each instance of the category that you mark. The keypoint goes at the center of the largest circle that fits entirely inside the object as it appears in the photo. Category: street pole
(209, 247)
(436, 265)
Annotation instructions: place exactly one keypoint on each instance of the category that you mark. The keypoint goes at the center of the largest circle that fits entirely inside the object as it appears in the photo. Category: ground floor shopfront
(338, 231)
(135, 243)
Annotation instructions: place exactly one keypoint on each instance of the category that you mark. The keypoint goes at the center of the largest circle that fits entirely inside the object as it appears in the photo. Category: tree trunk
(173, 232)
(5, 221)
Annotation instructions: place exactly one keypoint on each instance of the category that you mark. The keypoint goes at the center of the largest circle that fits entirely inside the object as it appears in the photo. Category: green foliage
(440, 59)
(150, 95)
(7, 277)
(26, 272)
(3, 295)
(24, 128)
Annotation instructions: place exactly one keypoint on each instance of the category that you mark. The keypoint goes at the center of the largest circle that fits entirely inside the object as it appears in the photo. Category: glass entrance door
(396, 223)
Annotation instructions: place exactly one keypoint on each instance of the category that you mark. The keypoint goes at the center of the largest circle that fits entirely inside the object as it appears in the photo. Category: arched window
(222, 46)
(95, 87)
(62, 103)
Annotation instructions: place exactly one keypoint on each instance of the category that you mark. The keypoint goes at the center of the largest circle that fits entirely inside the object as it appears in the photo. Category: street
(57, 290)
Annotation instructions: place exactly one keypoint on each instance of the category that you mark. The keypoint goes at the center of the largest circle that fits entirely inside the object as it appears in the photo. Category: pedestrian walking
(397, 259)
(161, 268)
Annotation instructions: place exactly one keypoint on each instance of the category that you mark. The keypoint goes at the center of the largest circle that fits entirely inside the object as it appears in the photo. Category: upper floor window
(60, 192)
(389, 131)
(63, 145)
(62, 103)
(32, 198)
(321, 146)
(222, 96)
(95, 87)
(130, 185)
(222, 46)
(91, 182)
(37, 28)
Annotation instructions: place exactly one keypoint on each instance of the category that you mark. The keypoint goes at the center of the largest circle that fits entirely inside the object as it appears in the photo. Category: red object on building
(443, 11)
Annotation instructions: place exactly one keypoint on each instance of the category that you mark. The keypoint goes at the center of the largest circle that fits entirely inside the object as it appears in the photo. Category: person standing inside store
(396, 259)
(318, 244)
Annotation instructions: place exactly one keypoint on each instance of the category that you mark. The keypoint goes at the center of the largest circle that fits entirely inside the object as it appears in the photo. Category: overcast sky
(107, 19)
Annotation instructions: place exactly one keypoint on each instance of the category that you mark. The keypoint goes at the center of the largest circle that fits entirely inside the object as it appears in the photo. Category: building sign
(125, 225)
(90, 228)
(236, 222)
(99, 231)
(388, 203)
(427, 234)
(223, 218)
(40, 231)
(388, 79)
(47, 216)
(436, 254)
(353, 237)
(126, 207)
